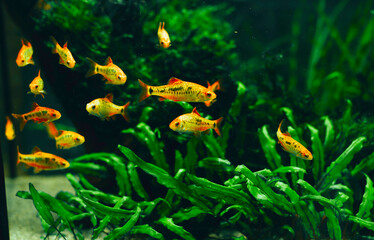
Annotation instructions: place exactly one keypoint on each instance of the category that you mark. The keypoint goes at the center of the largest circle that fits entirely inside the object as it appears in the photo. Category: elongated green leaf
(289, 169)
(330, 134)
(178, 161)
(335, 168)
(333, 223)
(213, 146)
(308, 187)
(367, 200)
(148, 230)
(104, 222)
(318, 152)
(362, 222)
(190, 160)
(180, 231)
(320, 199)
(268, 146)
(187, 213)
(120, 231)
(166, 180)
(290, 117)
(87, 168)
(134, 177)
(216, 163)
(109, 198)
(105, 210)
(41, 206)
(366, 164)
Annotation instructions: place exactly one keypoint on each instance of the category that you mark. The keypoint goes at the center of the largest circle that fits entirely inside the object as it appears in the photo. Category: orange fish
(292, 146)
(163, 36)
(37, 86)
(66, 58)
(38, 114)
(9, 129)
(42, 160)
(25, 54)
(214, 87)
(177, 90)
(194, 123)
(104, 108)
(64, 139)
(111, 72)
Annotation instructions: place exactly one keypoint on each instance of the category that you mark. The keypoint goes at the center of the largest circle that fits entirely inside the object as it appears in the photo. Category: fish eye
(306, 155)
(68, 62)
(36, 86)
(162, 43)
(77, 139)
(22, 60)
(208, 94)
(53, 114)
(177, 124)
(119, 77)
(93, 107)
(63, 164)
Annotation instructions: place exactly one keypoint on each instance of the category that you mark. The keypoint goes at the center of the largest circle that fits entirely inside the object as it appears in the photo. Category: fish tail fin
(52, 130)
(279, 127)
(55, 44)
(21, 119)
(124, 112)
(218, 125)
(18, 155)
(93, 67)
(145, 91)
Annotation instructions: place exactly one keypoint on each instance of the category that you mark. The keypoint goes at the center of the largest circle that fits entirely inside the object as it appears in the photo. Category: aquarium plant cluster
(139, 179)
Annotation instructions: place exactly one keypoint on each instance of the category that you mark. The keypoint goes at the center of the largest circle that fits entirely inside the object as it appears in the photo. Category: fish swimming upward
(64, 139)
(41, 160)
(104, 108)
(110, 72)
(37, 86)
(9, 129)
(194, 123)
(163, 36)
(177, 90)
(38, 114)
(292, 146)
(66, 58)
(25, 54)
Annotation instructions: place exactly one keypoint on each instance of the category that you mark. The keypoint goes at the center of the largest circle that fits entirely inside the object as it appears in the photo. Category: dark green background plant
(307, 62)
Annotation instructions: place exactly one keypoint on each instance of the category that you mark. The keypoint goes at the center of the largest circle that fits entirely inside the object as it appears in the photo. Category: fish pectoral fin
(37, 170)
(161, 99)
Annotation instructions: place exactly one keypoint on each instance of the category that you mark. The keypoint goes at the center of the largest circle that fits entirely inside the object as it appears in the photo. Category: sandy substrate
(22, 215)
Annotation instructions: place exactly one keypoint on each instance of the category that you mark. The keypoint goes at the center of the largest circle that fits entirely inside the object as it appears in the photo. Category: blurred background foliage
(309, 62)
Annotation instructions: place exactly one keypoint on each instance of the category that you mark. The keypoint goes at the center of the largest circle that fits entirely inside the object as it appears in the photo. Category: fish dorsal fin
(108, 61)
(25, 42)
(287, 134)
(39, 73)
(196, 112)
(35, 150)
(34, 105)
(174, 80)
(109, 96)
(65, 45)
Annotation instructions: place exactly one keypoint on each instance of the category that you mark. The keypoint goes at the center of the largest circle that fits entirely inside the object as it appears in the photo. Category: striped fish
(38, 114)
(177, 90)
(104, 108)
(41, 160)
(194, 123)
(64, 139)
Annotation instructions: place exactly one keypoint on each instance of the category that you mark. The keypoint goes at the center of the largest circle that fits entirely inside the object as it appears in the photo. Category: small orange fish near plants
(177, 90)
(111, 72)
(9, 129)
(292, 146)
(41, 160)
(104, 108)
(64, 139)
(163, 36)
(37, 86)
(38, 114)
(66, 58)
(194, 123)
(25, 54)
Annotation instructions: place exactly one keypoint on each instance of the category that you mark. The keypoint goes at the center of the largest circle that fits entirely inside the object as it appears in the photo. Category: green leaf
(187, 213)
(333, 225)
(268, 146)
(87, 168)
(180, 231)
(148, 230)
(134, 177)
(213, 145)
(330, 134)
(308, 187)
(362, 222)
(109, 198)
(120, 231)
(318, 152)
(216, 163)
(336, 167)
(366, 164)
(190, 160)
(166, 180)
(289, 169)
(367, 200)
(41, 206)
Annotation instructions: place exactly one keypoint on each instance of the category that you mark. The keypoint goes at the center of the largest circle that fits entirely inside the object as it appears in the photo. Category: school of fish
(104, 108)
